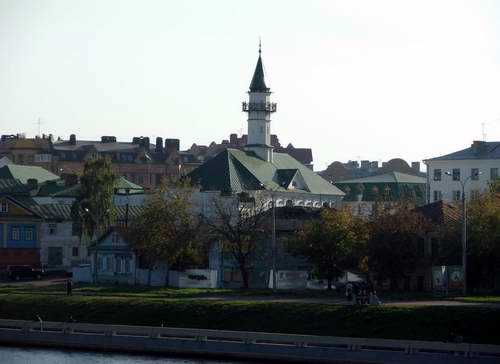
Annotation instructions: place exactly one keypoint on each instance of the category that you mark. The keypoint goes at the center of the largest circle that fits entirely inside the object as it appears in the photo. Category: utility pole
(274, 241)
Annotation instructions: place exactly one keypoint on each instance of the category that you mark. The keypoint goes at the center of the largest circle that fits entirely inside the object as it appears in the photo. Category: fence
(237, 343)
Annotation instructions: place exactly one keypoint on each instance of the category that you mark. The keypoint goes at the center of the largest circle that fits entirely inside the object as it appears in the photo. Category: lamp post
(273, 236)
(464, 225)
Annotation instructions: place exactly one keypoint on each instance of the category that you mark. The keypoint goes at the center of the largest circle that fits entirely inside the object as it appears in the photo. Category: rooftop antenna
(39, 123)
(483, 130)
(260, 46)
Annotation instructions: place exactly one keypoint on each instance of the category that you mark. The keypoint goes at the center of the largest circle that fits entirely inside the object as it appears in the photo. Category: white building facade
(473, 168)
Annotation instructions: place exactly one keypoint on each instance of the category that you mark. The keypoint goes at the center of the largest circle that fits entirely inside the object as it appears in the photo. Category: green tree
(166, 230)
(393, 246)
(333, 243)
(484, 238)
(93, 208)
(239, 224)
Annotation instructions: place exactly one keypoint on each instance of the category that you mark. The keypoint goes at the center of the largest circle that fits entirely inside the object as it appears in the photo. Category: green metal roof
(391, 177)
(24, 173)
(234, 170)
(121, 185)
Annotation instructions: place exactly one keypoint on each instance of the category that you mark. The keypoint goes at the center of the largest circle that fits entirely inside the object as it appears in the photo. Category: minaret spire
(258, 83)
(259, 108)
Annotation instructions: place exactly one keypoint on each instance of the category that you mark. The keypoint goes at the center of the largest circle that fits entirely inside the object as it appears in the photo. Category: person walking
(69, 287)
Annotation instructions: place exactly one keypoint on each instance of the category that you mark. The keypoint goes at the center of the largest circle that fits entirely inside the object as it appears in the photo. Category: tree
(484, 237)
(166, 230)
(393, 246)
(238, 223)
(93, 208)
(333, 243)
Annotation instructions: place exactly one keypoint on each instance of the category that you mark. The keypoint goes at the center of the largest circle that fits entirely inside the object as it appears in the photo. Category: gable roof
(441, 212)
(234, 170)
(24, 173)
(391, 177)
(121, 185)
(478, 150)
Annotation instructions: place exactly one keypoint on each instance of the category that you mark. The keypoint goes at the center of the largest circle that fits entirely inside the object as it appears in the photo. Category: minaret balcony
(258, 106)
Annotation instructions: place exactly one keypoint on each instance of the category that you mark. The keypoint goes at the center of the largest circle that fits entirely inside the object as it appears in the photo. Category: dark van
(17, 272)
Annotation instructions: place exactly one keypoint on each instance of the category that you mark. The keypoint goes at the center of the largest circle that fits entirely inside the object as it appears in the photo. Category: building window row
(456, 174)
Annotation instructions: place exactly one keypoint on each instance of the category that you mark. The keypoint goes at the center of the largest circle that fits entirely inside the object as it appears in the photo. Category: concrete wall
(193, 278)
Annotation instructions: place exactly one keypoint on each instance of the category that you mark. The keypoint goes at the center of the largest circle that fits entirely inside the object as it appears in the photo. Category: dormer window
(4, 207)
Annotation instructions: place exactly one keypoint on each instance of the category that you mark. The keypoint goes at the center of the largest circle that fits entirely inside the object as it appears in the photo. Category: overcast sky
(352, 79)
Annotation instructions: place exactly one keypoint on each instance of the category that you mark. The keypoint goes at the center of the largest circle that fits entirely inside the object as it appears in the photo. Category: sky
(353, 79)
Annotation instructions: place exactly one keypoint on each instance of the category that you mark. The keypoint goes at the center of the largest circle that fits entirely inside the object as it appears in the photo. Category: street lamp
(464, 224)
(273, 241)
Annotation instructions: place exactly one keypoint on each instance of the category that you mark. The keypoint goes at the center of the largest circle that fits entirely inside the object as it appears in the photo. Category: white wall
(447, 185)
(62, 238)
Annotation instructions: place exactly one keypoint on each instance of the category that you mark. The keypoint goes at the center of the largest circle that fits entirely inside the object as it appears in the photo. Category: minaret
(259, 109)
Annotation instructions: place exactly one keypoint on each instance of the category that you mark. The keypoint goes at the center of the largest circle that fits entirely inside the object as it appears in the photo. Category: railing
(259, 106)
(253, 338)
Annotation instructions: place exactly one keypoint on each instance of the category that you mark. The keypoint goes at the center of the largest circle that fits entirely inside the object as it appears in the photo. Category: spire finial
(260, 46)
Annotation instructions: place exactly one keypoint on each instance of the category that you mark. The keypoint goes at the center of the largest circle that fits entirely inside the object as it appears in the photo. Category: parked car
(16, 272)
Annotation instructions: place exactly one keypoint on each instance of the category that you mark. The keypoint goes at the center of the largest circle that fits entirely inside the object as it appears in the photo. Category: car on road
(17, 272)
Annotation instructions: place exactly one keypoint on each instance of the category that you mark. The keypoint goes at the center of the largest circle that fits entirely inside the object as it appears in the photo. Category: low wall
(236, 344)
(193, 278)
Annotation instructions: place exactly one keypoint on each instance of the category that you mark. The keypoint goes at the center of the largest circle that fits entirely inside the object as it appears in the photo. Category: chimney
(171, 145)
(365, 164)
(32, 184)
(478, 147)
(72, 139)
(136, 140)
(108, 139)
(275, 141)
(233, 139)
(415, 166)
(159, 145)
(145, 143)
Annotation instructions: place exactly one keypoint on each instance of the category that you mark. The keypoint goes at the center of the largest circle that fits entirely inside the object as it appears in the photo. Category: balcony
(258, 106)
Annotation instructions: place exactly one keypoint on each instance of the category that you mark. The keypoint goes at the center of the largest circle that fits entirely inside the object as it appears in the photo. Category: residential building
(475, 167)
(362, 194)
(198, 154)
(19, 234)
(338, 171)
(28, 151)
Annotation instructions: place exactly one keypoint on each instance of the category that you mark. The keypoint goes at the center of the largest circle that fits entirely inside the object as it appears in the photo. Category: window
(75, 251)
(4, 207)
(456, 195)
(114, 238)
(474, 194)
(494, 173)
(118, 265)
(438, 195)
(30, 234)
(127, 265)
(437, 174)
(140, 179)
(43, 157)
(15, 233)
(456, 174)
(109, 263)
(474, 174)
(52, 229)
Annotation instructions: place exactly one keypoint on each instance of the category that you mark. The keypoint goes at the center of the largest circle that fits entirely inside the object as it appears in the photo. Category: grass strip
(436, 323)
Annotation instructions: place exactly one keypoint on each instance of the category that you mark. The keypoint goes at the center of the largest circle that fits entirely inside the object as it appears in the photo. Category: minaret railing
(259, 106)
